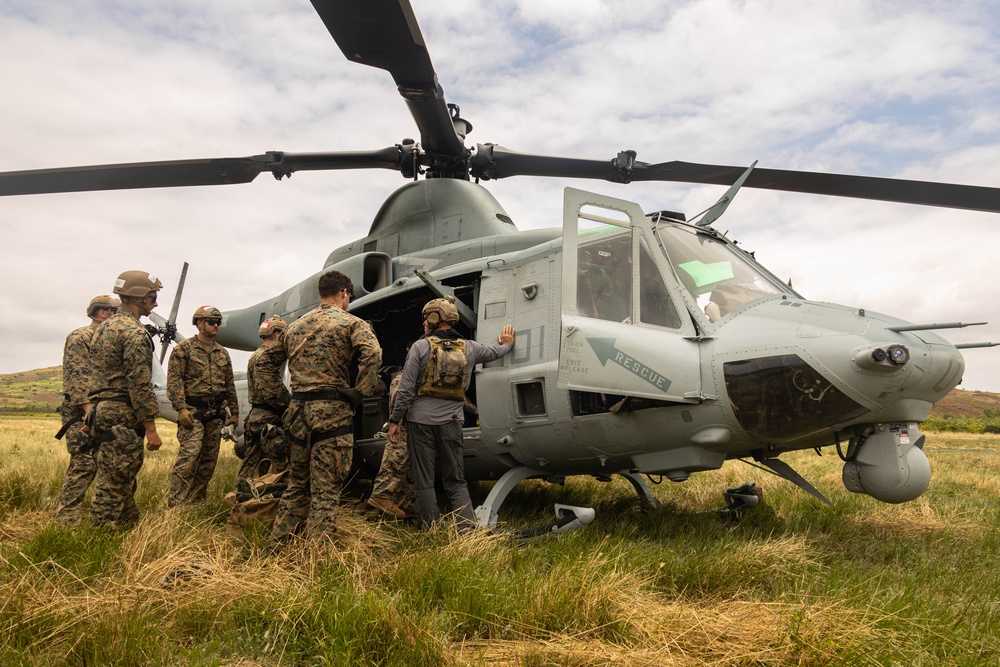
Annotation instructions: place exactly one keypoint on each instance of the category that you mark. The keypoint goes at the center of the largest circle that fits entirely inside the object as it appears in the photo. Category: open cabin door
(624, 330)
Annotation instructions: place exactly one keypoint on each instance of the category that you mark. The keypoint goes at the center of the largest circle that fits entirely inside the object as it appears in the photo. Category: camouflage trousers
(118, 462)
(195, 464)
(393, 480)
(82, 467)
(317, 472)
(263, 442)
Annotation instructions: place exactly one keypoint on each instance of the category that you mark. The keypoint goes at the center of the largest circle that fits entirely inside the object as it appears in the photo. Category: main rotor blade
(176, 173)
(925, 193)
(494, 161)
(385, 34)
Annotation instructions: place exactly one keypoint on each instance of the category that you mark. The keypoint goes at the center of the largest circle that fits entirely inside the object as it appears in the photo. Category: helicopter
(648, 344)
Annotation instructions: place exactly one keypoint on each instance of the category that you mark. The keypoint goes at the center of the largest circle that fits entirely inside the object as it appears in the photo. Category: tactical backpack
(256, 499)
(445, 374)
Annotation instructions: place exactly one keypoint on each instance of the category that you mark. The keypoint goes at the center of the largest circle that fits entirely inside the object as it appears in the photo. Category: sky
(892, 89)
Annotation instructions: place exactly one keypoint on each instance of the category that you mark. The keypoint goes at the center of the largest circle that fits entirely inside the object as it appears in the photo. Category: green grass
(793, 583)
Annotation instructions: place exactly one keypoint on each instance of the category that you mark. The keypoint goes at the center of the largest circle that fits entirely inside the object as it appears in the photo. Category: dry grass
(937, 440)
(724, 632)
(588, 599)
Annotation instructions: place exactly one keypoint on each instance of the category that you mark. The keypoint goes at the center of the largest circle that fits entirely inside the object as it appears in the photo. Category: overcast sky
(896, 89)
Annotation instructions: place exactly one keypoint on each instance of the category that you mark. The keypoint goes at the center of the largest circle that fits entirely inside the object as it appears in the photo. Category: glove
(353, 397)
(229, 432)
(185, 419)
(233, 420)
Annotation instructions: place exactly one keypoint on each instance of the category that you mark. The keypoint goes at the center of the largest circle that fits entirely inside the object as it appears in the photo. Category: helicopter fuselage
(644, 345)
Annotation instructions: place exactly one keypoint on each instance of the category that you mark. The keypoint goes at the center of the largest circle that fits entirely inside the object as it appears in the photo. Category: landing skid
(486, 514)
(567, 516)
(638, 482)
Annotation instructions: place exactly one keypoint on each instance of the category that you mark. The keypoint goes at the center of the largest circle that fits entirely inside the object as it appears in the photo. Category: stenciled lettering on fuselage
(606, 351)
(524, 351)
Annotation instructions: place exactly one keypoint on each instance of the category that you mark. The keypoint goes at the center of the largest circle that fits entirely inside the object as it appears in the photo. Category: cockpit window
(604, 280)
(655, 306)
(717, 275)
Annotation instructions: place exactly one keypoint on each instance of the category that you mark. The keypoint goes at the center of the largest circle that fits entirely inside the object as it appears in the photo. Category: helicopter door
(623, 332)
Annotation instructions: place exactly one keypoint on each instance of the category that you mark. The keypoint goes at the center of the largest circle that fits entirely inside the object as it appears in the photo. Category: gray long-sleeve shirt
(436, 411)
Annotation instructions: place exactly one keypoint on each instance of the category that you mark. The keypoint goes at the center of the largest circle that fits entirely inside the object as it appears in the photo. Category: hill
(40, 392)
(35, 392)
(961, 403)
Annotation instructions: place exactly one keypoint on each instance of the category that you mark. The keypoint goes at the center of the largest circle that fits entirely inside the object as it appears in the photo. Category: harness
(253, 437)
(317, 436)
(209, 407)
(350, 396)
(67, 425)
(97, 437)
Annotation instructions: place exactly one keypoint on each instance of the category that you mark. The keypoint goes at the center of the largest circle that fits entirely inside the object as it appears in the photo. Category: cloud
(886, 89)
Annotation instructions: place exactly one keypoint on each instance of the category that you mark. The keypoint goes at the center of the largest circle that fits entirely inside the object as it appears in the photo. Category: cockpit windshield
(716, 274)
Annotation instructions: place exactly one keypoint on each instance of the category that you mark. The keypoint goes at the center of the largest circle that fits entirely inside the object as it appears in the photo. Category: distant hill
(37, 391)
(40, 391)
(961, 403)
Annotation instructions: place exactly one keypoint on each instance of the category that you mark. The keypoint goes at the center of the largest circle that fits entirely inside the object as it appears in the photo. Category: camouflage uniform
(76, 383)
(318, 348)
(263, 442)
(121, 392)
(199, 379)
(393, 480)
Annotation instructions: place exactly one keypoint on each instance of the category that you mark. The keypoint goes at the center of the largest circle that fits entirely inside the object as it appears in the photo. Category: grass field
(794, 583)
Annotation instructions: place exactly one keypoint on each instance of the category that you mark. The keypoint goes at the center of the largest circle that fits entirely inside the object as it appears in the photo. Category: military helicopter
(648, 344)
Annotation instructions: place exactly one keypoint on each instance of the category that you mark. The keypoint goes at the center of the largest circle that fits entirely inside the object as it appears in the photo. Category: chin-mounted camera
(888, 358)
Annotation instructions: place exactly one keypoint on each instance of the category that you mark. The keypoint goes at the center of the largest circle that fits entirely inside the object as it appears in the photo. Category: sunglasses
(214, 323)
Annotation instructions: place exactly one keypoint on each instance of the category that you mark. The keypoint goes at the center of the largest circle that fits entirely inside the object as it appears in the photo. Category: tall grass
(988, 422)
(793, 583)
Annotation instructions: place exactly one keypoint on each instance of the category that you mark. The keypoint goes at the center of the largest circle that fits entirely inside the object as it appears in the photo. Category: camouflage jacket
(199, 369)
(318, 348)
(255, 390)
(121, 364)
(76, 365)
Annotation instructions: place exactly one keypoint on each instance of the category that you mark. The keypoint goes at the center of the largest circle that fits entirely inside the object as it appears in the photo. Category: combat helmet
(438, 311)
(137, 283)
(105, 301)
(271, 325)
(206, 313)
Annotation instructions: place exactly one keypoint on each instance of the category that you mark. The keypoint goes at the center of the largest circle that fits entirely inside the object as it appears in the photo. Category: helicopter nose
(912, 366)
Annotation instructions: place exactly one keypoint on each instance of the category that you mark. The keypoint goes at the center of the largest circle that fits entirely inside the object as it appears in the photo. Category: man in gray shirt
(431, 398)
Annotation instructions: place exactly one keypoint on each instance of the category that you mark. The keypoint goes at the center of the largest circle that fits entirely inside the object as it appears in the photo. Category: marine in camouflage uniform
(76, 384)
(200, 387)
(318, 348)
(262, 430)
(124, 407)
(392, 491)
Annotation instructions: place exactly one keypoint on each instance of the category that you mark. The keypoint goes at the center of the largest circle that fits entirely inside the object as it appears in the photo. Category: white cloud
(886, 89)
